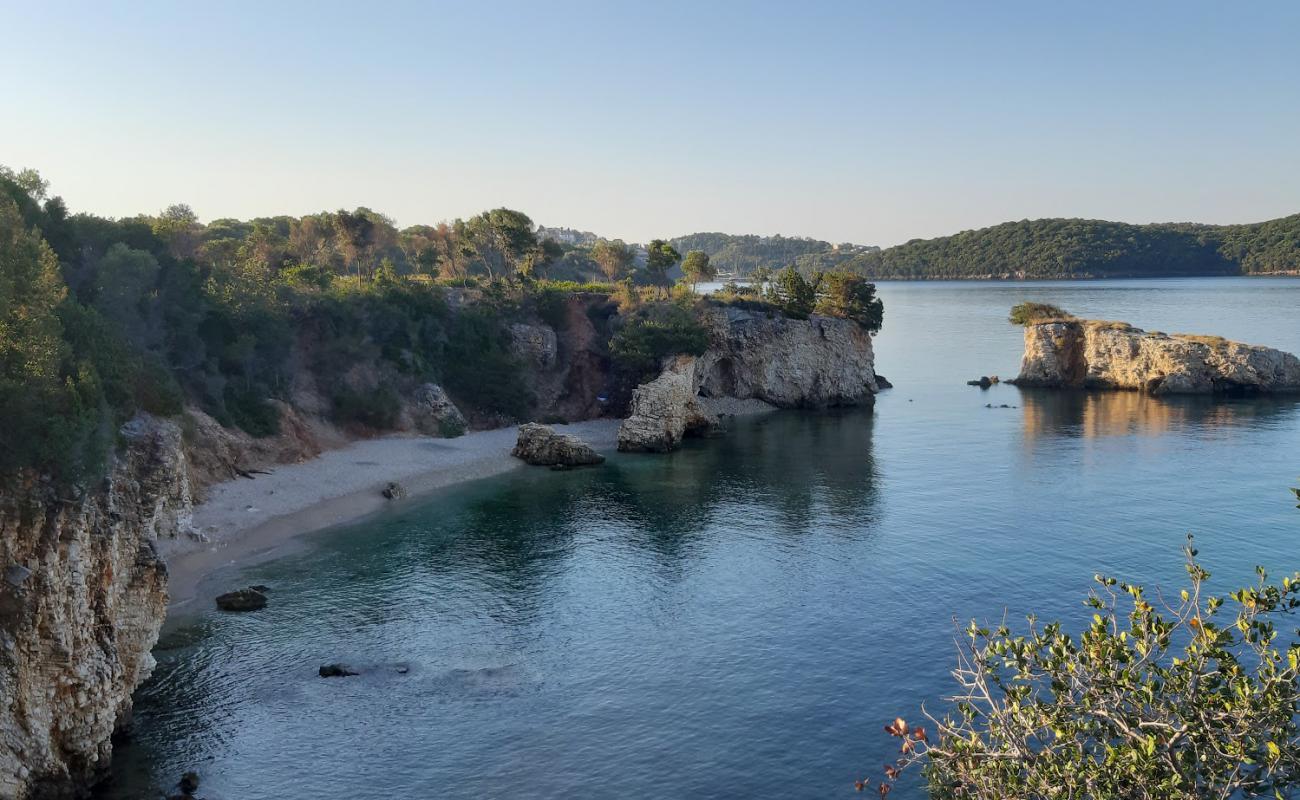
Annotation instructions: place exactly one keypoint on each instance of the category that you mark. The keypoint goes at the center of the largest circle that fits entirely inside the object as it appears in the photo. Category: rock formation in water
(81, 601)
(665, 410)
(790, 363)
(541, 446)
(1078, 354)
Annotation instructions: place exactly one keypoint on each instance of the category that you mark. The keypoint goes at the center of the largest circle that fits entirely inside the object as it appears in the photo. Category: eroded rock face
(790, 363)
(76, 631)
(433, 413)
(1107, 355)
(534, 344)
(665, 410)
(540, 445)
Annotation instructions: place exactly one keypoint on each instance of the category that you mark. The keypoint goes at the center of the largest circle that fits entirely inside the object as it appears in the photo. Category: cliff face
(789, 363)
(1106, 355)
(82, 596)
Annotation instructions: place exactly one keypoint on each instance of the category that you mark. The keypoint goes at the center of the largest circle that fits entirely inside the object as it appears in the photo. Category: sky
(867, 122)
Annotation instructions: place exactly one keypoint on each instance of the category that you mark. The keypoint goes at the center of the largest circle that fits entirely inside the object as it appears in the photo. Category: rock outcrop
(541, 446)
(433, 413)
(789, 363)
(1086, 354)
(665, 410)
(83, 597)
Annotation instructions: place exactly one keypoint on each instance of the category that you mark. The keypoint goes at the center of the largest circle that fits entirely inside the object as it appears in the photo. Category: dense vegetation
(1077, 248)
(103, 318)
(1159, 696)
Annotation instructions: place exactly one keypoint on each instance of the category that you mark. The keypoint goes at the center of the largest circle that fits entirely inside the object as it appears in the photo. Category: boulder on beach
(433, 413)
(541, 446)
(393, 491)
(249, 599)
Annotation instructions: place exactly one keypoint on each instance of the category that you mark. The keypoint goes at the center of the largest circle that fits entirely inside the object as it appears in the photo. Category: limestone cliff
(1110, 355)
(790, 363)
(81, 601)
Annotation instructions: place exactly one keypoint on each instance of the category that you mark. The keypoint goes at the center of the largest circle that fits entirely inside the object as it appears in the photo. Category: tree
(613, 257)
(124, 288)
(696, 268)
(356, 232)
(791, 293)
(29, 180)
(761, 275)
(849, 296)
(501, 238)
(1152, 700)
(660, 258)
(178, 226)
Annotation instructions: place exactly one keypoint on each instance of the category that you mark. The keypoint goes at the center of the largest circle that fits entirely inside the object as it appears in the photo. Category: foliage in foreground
(1190, 697)
(1030, 313)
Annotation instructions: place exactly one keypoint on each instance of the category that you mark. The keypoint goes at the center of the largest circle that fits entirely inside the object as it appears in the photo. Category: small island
(1065, 352)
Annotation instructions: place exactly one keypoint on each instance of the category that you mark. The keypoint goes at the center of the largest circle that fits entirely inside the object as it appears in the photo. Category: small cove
(737, 618)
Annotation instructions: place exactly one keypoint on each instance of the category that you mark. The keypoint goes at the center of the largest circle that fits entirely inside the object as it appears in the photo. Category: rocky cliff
(1110, 355)
(789, 363)
(81, 600)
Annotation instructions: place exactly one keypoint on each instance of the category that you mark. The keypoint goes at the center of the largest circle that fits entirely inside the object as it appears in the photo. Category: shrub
(479, 367)
(1151, 700)
(1032, 313)
(377, 408)
(652, 332)
(249, 409)
(450, 428)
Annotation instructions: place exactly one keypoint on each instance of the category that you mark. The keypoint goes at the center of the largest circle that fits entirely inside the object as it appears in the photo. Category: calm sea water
(737, 619)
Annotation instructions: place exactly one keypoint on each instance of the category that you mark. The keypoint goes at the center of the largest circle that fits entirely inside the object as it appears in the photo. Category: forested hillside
(741, 255)
(1078, 248)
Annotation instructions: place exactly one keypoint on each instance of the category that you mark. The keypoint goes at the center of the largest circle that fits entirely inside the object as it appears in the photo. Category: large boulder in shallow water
(249, 599)
(1076, 354)
(665, 410)
(541, 446)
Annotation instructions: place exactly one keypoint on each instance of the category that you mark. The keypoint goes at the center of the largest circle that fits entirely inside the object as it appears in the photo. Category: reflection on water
(1089, 415)
(740, 617)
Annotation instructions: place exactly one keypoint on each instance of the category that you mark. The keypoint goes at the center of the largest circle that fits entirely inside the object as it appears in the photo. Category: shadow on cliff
(1093, 414)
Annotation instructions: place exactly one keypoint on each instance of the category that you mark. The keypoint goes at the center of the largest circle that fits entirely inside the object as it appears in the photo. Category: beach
(243, 520)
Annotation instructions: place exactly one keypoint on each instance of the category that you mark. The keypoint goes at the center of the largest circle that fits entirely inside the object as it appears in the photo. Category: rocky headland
(787, 363)
(1091, 354)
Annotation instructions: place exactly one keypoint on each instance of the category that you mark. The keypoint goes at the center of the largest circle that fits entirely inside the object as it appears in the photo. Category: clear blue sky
(871, 122)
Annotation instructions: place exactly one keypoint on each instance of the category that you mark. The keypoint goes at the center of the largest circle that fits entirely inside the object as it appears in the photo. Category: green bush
(1032, 313)
(478, 366)
(654, 331)
(378, 408)
(1168, 697)
(250, 409)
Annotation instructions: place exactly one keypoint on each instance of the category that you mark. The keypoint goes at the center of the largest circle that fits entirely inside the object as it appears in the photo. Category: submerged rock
(1075, 354)
(249, 599)
(337, 671)
(541, 446)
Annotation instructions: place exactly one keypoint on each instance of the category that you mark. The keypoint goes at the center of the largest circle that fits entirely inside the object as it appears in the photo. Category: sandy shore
(249, 520)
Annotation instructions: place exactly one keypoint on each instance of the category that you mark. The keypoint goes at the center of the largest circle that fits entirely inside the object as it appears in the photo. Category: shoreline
(246, 521)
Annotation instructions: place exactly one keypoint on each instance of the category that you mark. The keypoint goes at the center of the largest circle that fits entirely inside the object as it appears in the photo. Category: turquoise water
(737, 619)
